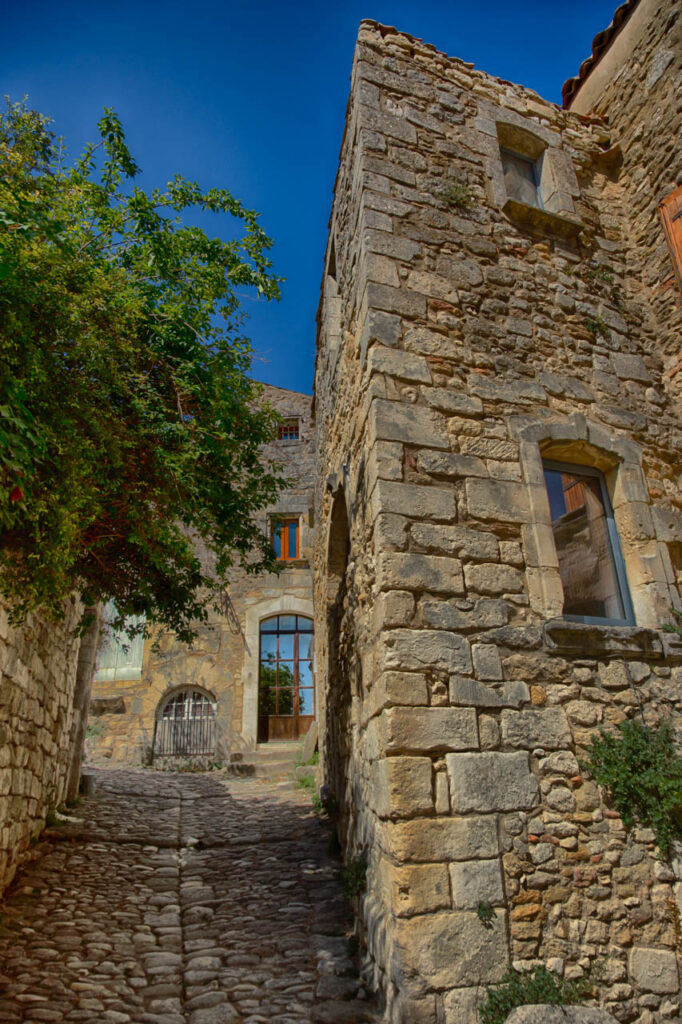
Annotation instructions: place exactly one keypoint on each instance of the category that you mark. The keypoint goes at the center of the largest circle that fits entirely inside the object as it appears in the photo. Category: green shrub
(642, 772)
(354, 877)
(455, 194)
(538, 985)
(306, 782)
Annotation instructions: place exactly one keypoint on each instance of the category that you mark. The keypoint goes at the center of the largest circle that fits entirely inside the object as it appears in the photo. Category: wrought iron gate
(186, 726)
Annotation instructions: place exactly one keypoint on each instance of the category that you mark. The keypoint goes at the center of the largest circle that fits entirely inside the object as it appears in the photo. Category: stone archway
(185, 724)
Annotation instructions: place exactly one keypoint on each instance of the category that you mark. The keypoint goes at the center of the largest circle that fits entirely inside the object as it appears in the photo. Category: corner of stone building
(471, 339)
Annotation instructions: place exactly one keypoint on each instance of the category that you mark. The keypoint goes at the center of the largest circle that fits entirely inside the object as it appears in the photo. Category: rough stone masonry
(466, 339)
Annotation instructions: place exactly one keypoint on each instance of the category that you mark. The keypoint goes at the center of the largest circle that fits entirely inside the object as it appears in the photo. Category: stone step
(269, 760)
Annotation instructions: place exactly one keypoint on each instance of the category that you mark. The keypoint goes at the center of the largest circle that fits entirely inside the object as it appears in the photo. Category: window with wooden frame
(588, 549)
(285, 539)
(288, 429)
(670, 210)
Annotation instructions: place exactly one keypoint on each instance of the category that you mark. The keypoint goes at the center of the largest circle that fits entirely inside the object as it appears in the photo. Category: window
(286, 684)
(118, 656)
(285, 539)
(671, 215)
(288, 430)
(521, 178)
(588, 549)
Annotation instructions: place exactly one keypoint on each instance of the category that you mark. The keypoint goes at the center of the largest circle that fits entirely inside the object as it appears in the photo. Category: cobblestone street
(181, 899)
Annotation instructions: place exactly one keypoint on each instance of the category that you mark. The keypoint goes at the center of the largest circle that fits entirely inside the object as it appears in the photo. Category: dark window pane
(269, 625)
(306, 703)
(305, 625)
(586, 563)
(277, 539)
(287, 622)
(520, 180)
(293, 540)
(285, 702)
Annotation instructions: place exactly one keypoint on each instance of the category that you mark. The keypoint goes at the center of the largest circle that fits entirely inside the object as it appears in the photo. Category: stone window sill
(565, 225)
(294, 563)
(592, 641)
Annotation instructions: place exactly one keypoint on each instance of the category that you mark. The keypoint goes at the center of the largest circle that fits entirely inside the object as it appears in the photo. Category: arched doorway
(185, 725)
(286, 686)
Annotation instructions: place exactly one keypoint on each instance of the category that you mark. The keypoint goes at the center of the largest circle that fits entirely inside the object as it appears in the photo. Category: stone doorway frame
(283, 605)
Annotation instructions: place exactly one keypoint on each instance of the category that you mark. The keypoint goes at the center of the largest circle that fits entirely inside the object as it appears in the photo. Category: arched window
(286, 694)
(185, 726)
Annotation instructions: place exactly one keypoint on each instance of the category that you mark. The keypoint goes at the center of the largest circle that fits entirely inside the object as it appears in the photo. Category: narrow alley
(181, 899)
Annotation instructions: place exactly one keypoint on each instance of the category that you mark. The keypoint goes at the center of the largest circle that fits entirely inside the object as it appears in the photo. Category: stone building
(249, 675)
(499, 534)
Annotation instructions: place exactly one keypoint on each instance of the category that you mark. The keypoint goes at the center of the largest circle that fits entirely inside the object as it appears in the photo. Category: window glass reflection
(586, 560)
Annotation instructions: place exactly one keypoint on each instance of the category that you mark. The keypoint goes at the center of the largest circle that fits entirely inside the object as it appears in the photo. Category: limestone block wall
(223, 661)
(38, 663)
(463, 337)
(638, 87)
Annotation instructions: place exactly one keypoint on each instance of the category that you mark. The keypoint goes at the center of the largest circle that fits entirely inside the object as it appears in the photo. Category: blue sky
(252, 96)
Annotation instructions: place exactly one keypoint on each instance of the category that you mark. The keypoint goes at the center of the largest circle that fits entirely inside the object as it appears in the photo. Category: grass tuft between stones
(537, 985)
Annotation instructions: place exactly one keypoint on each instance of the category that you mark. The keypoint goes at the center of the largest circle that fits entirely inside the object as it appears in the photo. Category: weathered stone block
(456, 540)
(654, 970)
(487, 613)
(471, 693)
(396, 363)
(491, 782)
(502, 501)
(474, 882)
(417, 649)
(450, 464)
(413, 571)
(430, 730)
(442, 839)
(493, 578)
(419, 889)
(530, 728)
(451, 948)
(461, 1005)
(487, 662)
(559, 1015)
(411, 424)
(413, 500)
(402, 785)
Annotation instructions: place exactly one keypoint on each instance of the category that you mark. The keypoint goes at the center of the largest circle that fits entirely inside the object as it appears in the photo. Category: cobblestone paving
(181, 899)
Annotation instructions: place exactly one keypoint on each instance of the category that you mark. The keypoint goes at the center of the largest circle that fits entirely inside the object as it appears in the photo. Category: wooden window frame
(283, 523)
(670, 210)
(287, 428)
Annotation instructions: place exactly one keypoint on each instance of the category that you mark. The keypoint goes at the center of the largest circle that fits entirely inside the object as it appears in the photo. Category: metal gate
(186, 727)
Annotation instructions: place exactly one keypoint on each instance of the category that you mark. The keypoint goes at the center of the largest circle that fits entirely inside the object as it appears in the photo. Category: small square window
(288, 430)
(521, 178)
(285, 539)
(591, 564)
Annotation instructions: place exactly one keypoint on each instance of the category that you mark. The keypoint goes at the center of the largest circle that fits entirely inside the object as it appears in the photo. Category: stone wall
(463, 337)
(223, 661)
(38, 664)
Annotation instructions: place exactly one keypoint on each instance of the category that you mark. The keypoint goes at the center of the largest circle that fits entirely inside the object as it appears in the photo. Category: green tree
(130, 434)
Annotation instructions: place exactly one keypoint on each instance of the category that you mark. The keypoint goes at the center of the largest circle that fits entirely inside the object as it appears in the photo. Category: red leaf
(16, 493)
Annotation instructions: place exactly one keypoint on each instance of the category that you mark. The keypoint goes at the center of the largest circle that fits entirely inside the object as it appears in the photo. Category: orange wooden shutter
(670, 209)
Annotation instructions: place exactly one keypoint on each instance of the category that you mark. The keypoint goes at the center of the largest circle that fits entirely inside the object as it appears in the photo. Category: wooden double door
(286, 684)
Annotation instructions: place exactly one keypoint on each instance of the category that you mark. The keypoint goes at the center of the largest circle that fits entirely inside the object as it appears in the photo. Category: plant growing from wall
(129, 430)
(455, 194)
(642, 772)
(354, 877)
(597, 326)
(537, 985)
